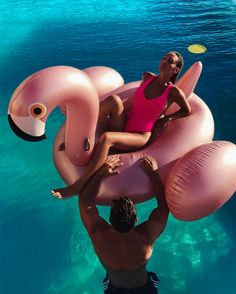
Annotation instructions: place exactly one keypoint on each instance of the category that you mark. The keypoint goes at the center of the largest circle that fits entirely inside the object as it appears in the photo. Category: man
(122, 248)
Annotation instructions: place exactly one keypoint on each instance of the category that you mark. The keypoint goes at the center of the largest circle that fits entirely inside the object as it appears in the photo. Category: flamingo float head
(28, 122)
(38, 95)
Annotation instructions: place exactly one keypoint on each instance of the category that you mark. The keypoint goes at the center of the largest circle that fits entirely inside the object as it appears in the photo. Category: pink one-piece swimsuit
(144, 111)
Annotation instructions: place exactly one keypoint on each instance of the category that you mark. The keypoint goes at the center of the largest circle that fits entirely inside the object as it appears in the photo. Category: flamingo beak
(33, 130)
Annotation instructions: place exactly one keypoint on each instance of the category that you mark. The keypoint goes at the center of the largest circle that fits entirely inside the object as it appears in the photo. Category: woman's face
(168, 63)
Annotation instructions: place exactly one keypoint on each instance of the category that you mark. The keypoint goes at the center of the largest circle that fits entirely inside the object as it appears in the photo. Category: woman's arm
(179, 98)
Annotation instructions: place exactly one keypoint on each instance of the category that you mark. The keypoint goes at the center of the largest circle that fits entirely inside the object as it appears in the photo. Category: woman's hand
(110, 166)
(148, 164)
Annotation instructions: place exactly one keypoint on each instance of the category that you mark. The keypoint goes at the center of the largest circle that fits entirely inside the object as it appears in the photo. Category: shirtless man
(123, 248)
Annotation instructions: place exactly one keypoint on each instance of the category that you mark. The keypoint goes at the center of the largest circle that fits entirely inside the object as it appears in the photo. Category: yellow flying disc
(197, 49)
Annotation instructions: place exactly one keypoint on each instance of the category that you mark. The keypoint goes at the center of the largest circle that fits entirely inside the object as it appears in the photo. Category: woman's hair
(123, 214)
(179, 64)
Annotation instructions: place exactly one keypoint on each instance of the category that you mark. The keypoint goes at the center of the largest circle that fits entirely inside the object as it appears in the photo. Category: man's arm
(157, 220)
(88, 210)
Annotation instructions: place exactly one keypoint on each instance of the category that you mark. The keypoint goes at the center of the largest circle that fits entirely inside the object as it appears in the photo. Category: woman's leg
(111, 110)
(120, 140)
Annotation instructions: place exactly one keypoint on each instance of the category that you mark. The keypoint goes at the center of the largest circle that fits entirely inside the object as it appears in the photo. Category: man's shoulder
(102, 237)
(141, 229)
(142, 236)
(144, 233)
(103, 231)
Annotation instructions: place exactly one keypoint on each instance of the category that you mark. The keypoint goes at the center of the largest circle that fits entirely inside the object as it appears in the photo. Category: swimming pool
(44, 247)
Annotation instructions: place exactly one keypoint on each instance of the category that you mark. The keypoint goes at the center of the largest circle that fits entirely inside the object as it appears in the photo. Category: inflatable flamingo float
(198, 174)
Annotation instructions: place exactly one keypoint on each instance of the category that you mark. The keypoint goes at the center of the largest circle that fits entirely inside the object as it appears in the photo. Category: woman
(152, 98)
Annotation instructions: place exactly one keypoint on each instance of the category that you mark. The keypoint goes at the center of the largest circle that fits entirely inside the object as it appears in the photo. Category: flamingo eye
(37, 110)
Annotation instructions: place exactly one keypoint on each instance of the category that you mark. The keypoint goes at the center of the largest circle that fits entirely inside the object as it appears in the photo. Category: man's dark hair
(123, 214)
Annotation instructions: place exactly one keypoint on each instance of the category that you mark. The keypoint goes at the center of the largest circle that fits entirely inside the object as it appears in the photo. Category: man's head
(123, 215)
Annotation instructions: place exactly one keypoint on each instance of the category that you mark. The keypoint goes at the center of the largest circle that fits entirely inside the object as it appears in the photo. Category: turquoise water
(44, 248)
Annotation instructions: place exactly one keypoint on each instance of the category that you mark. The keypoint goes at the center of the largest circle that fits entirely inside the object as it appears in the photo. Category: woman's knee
(105, 138)
(115, 98)
(116, 102)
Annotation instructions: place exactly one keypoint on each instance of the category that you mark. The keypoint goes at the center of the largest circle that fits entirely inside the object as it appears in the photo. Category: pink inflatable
(199, 180)
(80, 92)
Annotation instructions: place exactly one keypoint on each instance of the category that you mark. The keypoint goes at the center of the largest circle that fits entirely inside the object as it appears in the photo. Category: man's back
(128, 251)
(123, 255)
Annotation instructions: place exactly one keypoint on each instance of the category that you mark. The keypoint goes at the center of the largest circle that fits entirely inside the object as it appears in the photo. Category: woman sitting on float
(151, 99)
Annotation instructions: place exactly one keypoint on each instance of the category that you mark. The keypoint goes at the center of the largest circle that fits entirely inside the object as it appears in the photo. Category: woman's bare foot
(67, 192)
(62, 193)
(62, 147)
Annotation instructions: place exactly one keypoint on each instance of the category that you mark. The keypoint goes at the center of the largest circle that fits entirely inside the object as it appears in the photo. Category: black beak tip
(22, 134)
